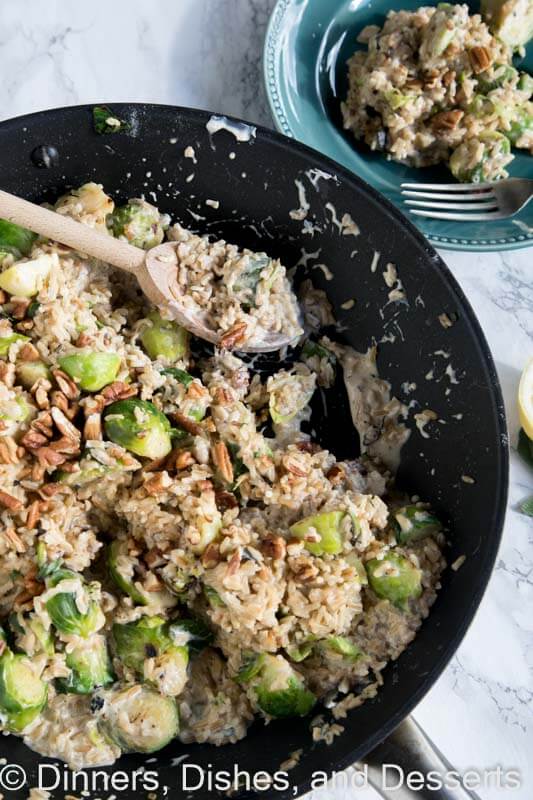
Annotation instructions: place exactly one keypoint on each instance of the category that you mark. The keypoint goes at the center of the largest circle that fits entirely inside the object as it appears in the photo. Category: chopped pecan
(335, 475)
(51, 489)
(152, 583)
(48, 457)
(233, 336)
(92, 430)
(274, 547)
(234, 563)
(225, 500)
(64, 425)
(7, 373)
(204, 486)
(222, 396)
(3, 297)
(43, 423)
(8, 451)
(24, 326)
(294, 466)
(447, 121)
(118, 391)
(480, 59)
(83, 340)
(28, 352)
(222, 461)
(19, 306)
(449, 77)
(183, 459)
(32, 440)
(187, 423)
(40, 390)
(66, 445)
(196, 391)
(59, 400)
(414, 84)
(308, 447)
(66, 384)
(210, 556)
(34, 512)
(154, 558)
(38, 471)
(10, 502)
(157, 483)
(304, 570)
(14, 540)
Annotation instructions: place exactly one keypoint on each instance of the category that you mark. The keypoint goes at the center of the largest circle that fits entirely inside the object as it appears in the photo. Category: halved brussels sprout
(278, 689)
(140, 427)
(31, 637)
(412, 523)
(330, 526)
(438, 34)
(146, 646)
(13, 413)
(471, 163)
(497, 76)
(301, 651)
(90, 667)
(91, 370)
(23, 694)
(289, 393)
(394, 578)
(356, 562)
(138, 719)
(29, 372)
(190, 632)
(522, 124)
(178, 374)
(213, 597)
(139, 222)
(122, 570)
(510, 20)
(71, 604)
(15, 240)
(26, 278)
(256, 267)
(525, 83)
(164, 338)
(7, 341)
(342, 646)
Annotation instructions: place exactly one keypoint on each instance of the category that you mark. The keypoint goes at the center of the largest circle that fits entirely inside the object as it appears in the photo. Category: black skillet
(43, 154)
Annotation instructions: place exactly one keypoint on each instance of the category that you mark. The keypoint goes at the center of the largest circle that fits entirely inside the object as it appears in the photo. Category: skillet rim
(435, 262)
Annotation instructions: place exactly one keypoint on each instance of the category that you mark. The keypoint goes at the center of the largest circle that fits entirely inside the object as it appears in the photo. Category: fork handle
(64, 229)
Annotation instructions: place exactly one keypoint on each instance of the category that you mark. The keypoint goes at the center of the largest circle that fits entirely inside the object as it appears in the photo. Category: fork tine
(477, 217)
(448, 196)
(465, 207)
(448, 187)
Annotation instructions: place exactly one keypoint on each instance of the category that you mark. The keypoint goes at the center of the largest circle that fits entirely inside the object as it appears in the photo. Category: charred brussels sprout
(26, 278)
(138, 719)
(140, 427)
(324, 533)
(394, 578)
(278, 689)
(412, 523)
(122, 570)
(72, 605)
(91, 371)
(147, 647)
(22, 692)
(140, 223)
(15, 240)
(90, 667)
(165, 339)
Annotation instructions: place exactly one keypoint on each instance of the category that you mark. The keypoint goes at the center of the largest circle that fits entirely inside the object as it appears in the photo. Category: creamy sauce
(301, 212)
(346, 225)
(314, 175)
(375, 414)
(422, 419)
(240, 130)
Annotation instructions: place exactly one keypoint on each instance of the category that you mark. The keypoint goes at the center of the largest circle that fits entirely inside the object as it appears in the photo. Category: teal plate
(307, 45)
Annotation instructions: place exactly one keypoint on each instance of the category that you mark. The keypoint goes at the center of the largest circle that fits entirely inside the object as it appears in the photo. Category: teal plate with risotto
(307, 46)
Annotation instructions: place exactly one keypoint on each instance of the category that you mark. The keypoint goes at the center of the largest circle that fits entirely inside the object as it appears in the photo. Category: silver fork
(468, 202)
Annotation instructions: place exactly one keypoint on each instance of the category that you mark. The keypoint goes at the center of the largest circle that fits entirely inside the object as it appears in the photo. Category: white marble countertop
(207, 53)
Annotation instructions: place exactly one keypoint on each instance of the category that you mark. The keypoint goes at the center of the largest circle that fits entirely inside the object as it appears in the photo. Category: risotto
(435, 85)
(177, 556)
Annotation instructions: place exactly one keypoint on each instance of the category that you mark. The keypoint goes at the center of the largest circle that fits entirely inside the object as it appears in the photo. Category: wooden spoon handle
(74, 234)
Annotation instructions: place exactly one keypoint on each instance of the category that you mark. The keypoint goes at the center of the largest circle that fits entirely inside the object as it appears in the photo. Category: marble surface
(207, 53)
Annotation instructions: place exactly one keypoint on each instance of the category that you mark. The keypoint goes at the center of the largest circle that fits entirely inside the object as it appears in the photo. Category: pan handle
(409, 749)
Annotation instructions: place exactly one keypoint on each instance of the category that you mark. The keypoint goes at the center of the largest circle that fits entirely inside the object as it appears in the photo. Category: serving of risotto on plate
(178, 556)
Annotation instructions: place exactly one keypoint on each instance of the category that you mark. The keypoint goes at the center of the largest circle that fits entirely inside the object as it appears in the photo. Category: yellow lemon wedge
(525, 399)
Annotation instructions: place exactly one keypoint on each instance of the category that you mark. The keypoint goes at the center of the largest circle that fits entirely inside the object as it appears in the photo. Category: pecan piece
(274, 547)
(233, 336)
(9, 451)
(66, 384)
(64, 425)
(293, 466)
(187, 423)
(28, 352)
(10, 502)
(335, 475)
(49, 457)
(19, 307)
(34, 512)
(118, 391)
(32, 440)
(225, 500)
(154, 558)
(92, 430)
(446, 121)
(222, 461)
(210, 556)
(183, 459)
(40, 390)
(480, 59)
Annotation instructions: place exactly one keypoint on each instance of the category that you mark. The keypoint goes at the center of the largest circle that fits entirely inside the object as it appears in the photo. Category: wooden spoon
(154, 269)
